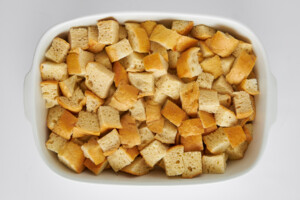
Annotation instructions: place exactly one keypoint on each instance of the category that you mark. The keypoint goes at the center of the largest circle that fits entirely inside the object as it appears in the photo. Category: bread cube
(168, 134)
(50, 92)
(169, 85)
(78, 38)
(68, 86)
(241, 68)
(55, 142)
(72, 156)
(191, 127)
(237, 152)
(65, 124)
(252, 116)
(242, 104)
(92, 101)
(58, 50)
(119, 159)
(137, 111)
(110, 142)
(185, 42)
(173, 113)
(164, 36)
(208, 100)
(148, 26)
(212, 65)
(236, 135)
(192, 143)
(222, 86)
(242, 46)
(109, 118)
(120, 74)
(146, 137)
(77, 60)
(217, 142)
(189, 95)
(206, 51)
(205, 80)
(138, 37)
(94, 45)
(157, 48)
(122, 32)
(98, 79)
(108, 31)
(92, 151)
(210, 129)
(53, 116)
(250, 86)
(88, 123)
(129, 134)
(202, 32)
(154, 120)
(192, 164)
(143, 81)
(96, 169)
(74, 103)
(248, 130)
(227, 63)
(118, 50)
(188, 65)
(173, 59)
(182, 27)
(103, 59)
(138, 167)
(133, 62)
(154, 152)
(173, 161)
(156, 64)
(207, 119)
(225, 117)
(53, 72)
(215, 164)
(224, 99)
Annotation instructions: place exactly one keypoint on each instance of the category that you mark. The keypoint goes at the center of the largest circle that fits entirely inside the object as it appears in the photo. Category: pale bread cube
(109, 118)
(237, 152)
(94, 45)
(164, 36)
(58, 50)
(118, 50)
(216, 142)
(122, 32)
(215, 164)
(168, 134)
(158, 97)
(169, 85)
(192, 164)
(225, 117)
(67, 86)
(77, 60)
(205, 80)
(50, 92)
(129, 134)
(173, 113)
(202, 32)
(157, 48)
(110, 142)
(93, 102)
(173, 161)
(88, 123)
(206, 51)
(53, 116)
(227, 63)
(173, 59)
(138, 37)
(225, 99)
(137, 111)
(188, 65)
(54, 71)
(189, 95)
(154, 152)
(78, 38)
(119, 159)
(55, 142)
(146, 137)
(143, 81)
(103, 59)
(156, 64)
(108, 31)
(250, 86)
(92, 151)
(222, 86)
(242, 104)
(242, 46)
(138, 167)
(208, 100)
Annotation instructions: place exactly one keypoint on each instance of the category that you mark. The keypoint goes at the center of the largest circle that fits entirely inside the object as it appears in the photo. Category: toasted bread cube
(72, 156)
(65, 125)
(168, 134)
(88, 123)
(120, 74)
(242, 46)
(212, 65)
(164, 36)
(154, 152)
(53, 116)
(250, 86)
(225, 117)
(124, 97)
(225, 99)
(173, 161)
(143, 81)
(137, 111)
(205, 80)
(93, 102)
(157, 48)
(94, 45)
(103, 59)
(78, 38)
(182, 27)
(191, 127)
(206, 52)
(157, 125)
(223, 44)
(108, 31)
(242, 104)
(146, 137)
(185, 42)
(227, 63)
(248, 129)
(74, 103)
(138, 167)
(188, 65)
(208, 100)
(154, 120)
(133, 62)
(237, 152)
(203, 32)
(92, 151)
(54, 72)
(192, 143)
(110, 142)
(98, 79)
(156, 64)
(210, 130)
(148, 26)
(159, 97)
(77, 60)
(189, 95)
(252, 116)
(173, 59)
(129, 134)
(217, 142)
(207, 119)
(138, 37)
(119, 159)
(133, 152)
(58, 50)
(241, 68)
(118, 50)
(236, 135)
(68, 86)
(109, 118)
(222, 86)
(55, 142)
(50, 92)
(122, 32)
(96, 169)
(192, 164)
(215, 164)
(169, 85)
(173, 113)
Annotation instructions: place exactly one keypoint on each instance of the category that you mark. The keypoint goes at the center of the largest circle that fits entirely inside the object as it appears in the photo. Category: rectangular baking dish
(266, 103)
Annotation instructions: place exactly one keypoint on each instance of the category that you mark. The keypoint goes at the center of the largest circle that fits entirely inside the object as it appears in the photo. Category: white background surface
(23, 175)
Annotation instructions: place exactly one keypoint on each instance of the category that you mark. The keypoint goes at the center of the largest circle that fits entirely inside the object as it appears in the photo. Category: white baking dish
(266, 103)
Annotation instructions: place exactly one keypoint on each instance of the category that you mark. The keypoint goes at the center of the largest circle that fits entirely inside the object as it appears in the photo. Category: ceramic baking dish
(266, 103)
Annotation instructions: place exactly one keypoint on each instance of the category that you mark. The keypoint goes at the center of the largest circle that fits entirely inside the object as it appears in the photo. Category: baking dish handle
(273, 100)
(27, 95)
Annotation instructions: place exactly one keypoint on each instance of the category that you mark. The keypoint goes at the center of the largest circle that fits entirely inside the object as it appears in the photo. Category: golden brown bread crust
(192, 143)
(183, 63)
(138, 38)
(129, 134)
(148, 26)
(65, 125)
(173, 113)
(185, 42)
(191, 127)
(236, 135)
(120, 74)
(154, 120)
(207, 119)
(153, 61)
(166, 37)
(96, 169)
(189, 95)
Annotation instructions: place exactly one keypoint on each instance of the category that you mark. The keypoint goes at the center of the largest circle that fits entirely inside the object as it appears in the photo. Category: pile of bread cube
(142, 96)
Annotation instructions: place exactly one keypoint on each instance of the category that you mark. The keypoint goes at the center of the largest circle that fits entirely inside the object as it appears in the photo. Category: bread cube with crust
(225, 100)
(88, 123)
(50, 92)
(226, 64)
(173, 113)
(213, 66)
(51, 71)
(143, 81)
(154, 152)
(192, 143)
(249, 86)
(122, 32)
(67, 86)
(222, 86)
(208, 100)
(103, 59)
(146, 137)
(118, 50)
(202, 32)
(214, 164)
(206, 51)
(109, 118)
(58, 50)
(94, 45)
(148, 26)
(157, 48)
(164, 36)
(129, 134)
(185, 42)
(188, 65)
(138, 167)
(55, 142)
(225, 117)
(74, 103)
(205, 80)
(77, 60)
(156, 64)
(173, 161)
(133, 62)
(78, 38)
(173, 59)
(92, 151)
(191, 127)
(217, 142)
(138, 37)
(182, 27)
(93, 102)
(189, 95)
(169, 85)
(242, 104)
(168, 134)
(110, 142)
(119, 159)
(96, 169)
(154, 120)
(120, 74)
(237, 152)
(236, 135)
(207, 119)
(242, 46)
(137, 111)
(108, 31)
(65, 124)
